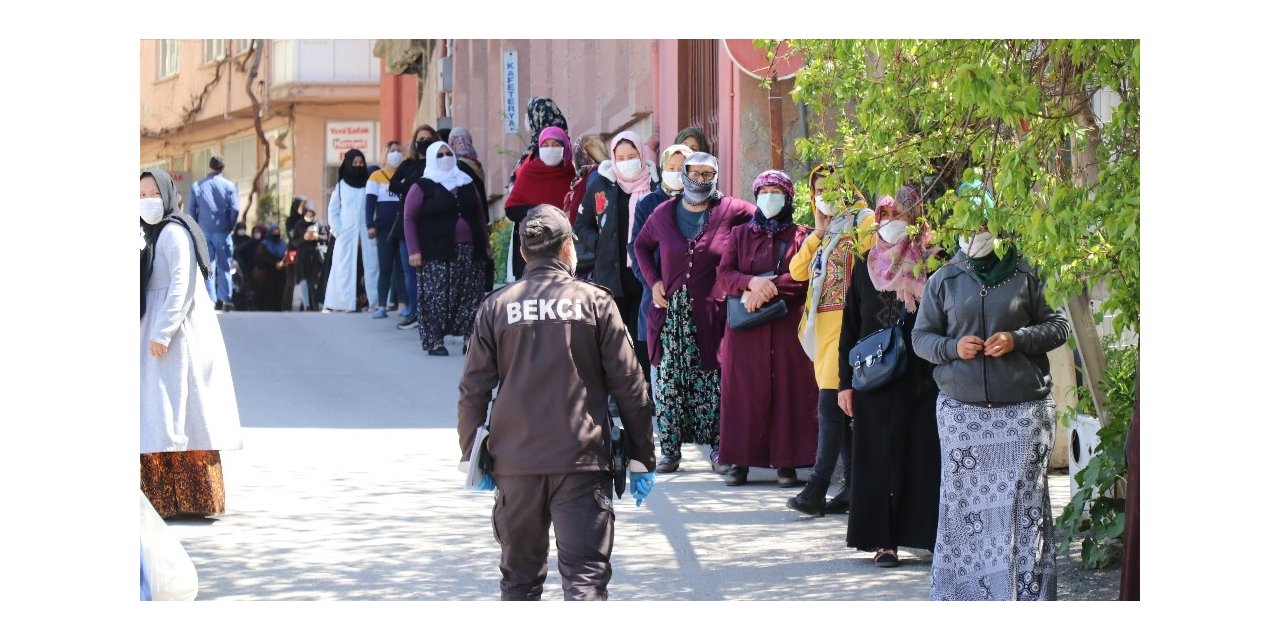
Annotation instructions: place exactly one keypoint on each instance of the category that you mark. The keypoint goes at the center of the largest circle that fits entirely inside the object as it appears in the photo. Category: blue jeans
(410, 277)
(220, 258)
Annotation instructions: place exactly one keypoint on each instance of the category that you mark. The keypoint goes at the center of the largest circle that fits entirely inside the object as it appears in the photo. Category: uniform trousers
(580, 507)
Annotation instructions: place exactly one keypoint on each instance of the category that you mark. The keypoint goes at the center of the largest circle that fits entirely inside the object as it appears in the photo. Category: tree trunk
(250, 78)
(1085, 169)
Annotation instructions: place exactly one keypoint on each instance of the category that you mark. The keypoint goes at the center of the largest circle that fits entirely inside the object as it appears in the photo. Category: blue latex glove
(641, 485)
(487, 483)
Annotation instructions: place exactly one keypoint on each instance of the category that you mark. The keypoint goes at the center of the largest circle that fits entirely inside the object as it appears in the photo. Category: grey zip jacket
(956, 304)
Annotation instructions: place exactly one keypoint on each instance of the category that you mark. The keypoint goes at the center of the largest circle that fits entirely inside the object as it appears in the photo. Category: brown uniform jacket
(558, 348)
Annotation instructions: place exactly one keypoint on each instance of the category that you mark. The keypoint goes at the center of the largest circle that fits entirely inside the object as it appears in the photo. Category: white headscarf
(451, 179)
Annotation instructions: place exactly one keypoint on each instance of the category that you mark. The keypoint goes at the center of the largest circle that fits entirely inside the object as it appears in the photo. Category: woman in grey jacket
(985, 324)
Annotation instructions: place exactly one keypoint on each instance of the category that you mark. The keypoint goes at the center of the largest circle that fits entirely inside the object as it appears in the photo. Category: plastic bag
(164, 561)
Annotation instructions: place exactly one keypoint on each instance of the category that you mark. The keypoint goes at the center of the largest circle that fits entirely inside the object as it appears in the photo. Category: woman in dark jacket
(768, 396)
(402, 180)
(444, 226)
(687, 321)
(305, 239)
(985, 324)
(893, 497)
(604, 225)
(270, 272)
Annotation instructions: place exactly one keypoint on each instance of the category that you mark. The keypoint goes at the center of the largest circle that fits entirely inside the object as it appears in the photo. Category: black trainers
(408, 323)
(668, 464)
(438, 351)
(810, 501)
(736, 476)
(838, 504)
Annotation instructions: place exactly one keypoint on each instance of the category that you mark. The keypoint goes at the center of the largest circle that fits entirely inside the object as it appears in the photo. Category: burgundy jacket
(693, 263)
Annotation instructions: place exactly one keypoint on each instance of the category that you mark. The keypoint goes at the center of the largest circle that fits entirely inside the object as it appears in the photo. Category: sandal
(886, 558)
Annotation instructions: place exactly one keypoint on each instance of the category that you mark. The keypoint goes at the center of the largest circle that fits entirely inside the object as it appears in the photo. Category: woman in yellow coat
(842, 231)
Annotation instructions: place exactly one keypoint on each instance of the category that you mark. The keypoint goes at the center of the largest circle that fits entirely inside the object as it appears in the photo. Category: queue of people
(744, 326)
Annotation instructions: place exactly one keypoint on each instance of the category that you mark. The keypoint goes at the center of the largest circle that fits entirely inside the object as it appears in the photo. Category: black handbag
(881, 357)
(740, 319)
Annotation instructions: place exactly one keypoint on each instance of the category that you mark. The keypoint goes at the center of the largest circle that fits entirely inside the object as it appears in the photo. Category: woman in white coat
(188, 404)
(346, 223)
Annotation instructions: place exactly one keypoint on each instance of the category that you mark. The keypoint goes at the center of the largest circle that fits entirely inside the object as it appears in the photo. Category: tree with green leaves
(1021, 117)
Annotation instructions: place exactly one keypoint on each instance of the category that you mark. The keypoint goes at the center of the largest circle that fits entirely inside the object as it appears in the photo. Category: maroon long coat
(768, 394)
(693, 263)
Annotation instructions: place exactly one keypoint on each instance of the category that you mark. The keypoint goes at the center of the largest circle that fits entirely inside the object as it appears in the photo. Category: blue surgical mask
(771, 204)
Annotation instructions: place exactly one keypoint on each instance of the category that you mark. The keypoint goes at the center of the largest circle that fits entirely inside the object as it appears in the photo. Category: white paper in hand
(474, 474)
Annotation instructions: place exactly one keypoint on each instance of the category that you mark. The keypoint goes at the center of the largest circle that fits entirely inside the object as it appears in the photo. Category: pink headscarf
(892, 266)
(560, 135)
(639, 186)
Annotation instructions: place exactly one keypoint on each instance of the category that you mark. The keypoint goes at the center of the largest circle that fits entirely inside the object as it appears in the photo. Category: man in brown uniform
(559, 349)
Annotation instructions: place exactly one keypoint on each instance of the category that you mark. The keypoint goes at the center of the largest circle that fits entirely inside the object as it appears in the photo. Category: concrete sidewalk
(348, 489)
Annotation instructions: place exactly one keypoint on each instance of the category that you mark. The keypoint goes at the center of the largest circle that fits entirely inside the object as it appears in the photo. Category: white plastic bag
(165, 562)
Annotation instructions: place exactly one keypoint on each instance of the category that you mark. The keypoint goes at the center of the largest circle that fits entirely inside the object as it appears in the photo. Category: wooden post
(775, 120)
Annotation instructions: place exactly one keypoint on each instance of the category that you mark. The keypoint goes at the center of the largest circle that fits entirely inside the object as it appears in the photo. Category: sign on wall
(341, 136)
(510, 96)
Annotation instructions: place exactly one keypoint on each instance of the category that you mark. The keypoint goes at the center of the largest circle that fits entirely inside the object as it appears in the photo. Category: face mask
(672, 180)
(628, 168)
(696, 193)
(151, 210)
(421, 146)
(446, 164)
(823, 206)
(257, 236)
(893, 231)
(978, 246)
(394, 158)
(551, 156)
(771, 204)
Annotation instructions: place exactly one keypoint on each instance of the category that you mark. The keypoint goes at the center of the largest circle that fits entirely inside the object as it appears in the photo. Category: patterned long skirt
(687, 396)
(449, 292)
(995, 529)
(184, 482)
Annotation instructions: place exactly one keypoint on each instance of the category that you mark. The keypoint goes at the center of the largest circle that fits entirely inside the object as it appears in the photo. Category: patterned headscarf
(780, 179)
(892, 267)
(543, 113)
(460, 142)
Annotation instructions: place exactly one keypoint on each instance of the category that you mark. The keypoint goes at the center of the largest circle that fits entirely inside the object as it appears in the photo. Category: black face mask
(276, 236)
(421, 146)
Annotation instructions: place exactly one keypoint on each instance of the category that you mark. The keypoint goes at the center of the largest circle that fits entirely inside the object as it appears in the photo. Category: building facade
(315, 99)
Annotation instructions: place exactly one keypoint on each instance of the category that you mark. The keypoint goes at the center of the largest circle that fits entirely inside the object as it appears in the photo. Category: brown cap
(545, 225)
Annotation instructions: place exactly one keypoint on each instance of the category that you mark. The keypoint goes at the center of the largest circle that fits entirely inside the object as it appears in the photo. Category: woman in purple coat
(686, 321)
(768, 395)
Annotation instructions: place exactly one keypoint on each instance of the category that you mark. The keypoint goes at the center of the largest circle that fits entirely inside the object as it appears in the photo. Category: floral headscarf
(780, 179)
(543, 113)
(892, 267)
(460, 142)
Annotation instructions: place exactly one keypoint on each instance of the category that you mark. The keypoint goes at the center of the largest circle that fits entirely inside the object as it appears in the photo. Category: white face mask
(551, 156)
(394, 158)
(151, 210)
(771, 203)
(893, 231)
(628, 168)
(979, 245)
(823, 206)
(672, 180)
(446, 164)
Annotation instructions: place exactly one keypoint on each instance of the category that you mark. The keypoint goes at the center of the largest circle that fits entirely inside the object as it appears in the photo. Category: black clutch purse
(881, 357)
(740, 319)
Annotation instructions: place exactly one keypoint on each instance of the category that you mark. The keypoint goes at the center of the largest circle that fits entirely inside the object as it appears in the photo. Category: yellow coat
(830, 307)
